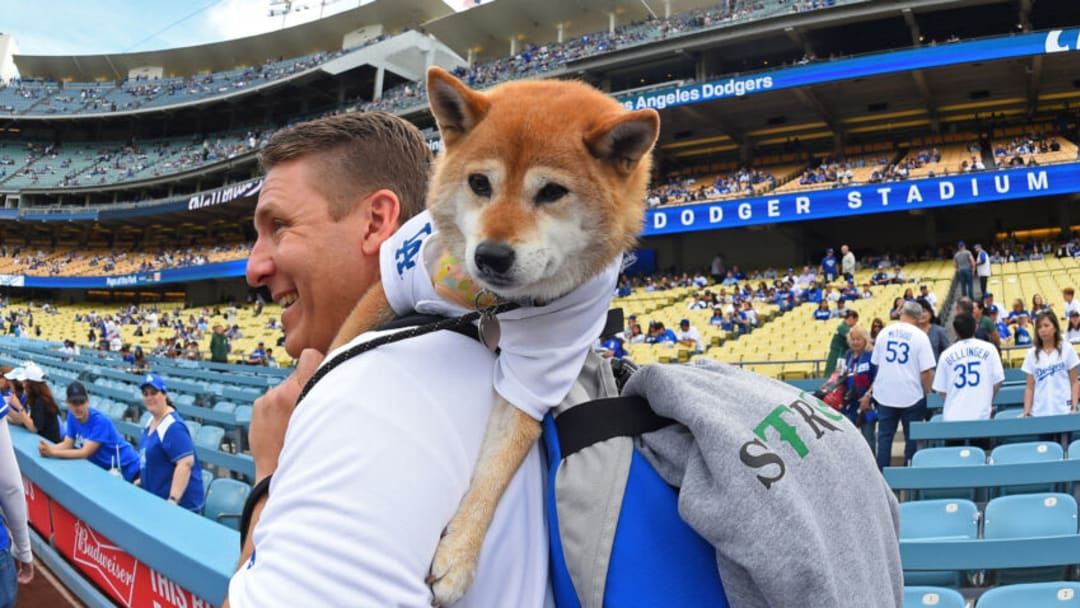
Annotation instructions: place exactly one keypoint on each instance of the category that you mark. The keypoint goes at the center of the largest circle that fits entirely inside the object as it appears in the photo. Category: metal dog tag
(488, 328)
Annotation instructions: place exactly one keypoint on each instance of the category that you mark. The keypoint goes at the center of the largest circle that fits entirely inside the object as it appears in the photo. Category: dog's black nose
(493, 257)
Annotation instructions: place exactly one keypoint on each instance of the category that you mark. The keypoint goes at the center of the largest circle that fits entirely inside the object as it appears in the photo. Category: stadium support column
(471, 56)
(667, 9)
(611, 23)
(380, 74)
(930, 230)
(559, 30)
(513, 45)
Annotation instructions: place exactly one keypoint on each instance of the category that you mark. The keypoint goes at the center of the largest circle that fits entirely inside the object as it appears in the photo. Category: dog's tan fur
(523, 136)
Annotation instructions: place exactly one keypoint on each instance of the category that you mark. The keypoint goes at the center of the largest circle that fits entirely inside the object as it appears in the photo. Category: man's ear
(456, 107)
(382, 212)
(623, 141)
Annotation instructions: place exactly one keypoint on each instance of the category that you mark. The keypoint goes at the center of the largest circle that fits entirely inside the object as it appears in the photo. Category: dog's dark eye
(550, 193)
(480, 185)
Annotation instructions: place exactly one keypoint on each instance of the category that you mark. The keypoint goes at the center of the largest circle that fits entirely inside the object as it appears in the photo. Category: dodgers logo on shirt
(405, 256)
(1043, 372)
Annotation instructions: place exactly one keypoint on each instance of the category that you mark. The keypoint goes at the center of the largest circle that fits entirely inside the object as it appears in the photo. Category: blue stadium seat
(210, 437)
(193, 428)
(1055, 594)
(243, 415)
(1009, 414)
(1027, 515)
(145, 419)
(1074, 449)
(1032, 451)
(185, 399)
(225, 501)
(207, 477)
(938, 520)
(959, 456)
(226, 407)
(939, 597)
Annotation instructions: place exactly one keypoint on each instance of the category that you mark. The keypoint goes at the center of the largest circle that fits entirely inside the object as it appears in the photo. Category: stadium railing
(982, 476)
(990, 554)
(976, 429)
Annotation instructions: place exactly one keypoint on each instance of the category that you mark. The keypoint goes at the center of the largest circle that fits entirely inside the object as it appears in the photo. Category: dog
(539, 190)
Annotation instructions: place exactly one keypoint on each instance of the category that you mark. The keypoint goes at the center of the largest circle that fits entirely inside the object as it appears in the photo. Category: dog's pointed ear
(456, 107)
(626, 139)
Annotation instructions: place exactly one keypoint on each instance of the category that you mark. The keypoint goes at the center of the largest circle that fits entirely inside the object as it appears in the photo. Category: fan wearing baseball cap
(170, 466)
(40, 414)
(91, 435)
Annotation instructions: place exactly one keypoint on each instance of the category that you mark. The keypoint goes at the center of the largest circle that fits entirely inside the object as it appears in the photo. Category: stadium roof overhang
(488, 28)
(321, 35)
(874, 107)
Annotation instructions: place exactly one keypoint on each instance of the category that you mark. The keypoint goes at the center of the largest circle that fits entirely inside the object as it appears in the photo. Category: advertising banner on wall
(116, 572)
(990, 49)
(961, 189)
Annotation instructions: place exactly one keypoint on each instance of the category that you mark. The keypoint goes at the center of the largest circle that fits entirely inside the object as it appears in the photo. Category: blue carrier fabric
(617, 539)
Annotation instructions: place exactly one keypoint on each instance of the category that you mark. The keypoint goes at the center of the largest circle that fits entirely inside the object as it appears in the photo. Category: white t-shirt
(901, 352)
(543, 347)
(692, 333)
(982, 264)
(1053, 394)
(375, 461)
(1069, 307)
(967, 373)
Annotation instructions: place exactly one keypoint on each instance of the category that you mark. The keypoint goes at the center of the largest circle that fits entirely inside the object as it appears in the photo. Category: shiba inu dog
(540, 188)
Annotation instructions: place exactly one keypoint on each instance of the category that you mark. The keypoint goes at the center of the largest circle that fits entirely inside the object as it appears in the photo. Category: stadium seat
(243, 415)
(1018, 453)
(145, 419)
(960, 456)
(939, 597)
(210, 437)
(1074, 449)
(938, 520)
(1027, 515)
(185, 399)
(207, 478)
(225, 501)
(193, 428)
(1009, 414)
(226, 407)
(1055, 594)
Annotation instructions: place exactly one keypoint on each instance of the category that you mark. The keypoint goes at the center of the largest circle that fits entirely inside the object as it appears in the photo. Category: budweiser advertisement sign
(115, 571)
(37, 507)
(112, 567)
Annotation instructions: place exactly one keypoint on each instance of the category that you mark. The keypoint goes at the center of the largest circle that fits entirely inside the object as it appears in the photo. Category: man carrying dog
(373, 463)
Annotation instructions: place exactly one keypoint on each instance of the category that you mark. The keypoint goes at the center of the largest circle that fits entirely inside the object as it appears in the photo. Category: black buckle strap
(601, 419)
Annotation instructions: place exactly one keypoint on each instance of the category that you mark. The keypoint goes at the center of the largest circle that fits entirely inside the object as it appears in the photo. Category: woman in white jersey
(1050, 365)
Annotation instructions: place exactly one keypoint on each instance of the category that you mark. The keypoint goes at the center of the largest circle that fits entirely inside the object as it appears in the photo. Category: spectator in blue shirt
(658, 334)
(1017, 311)
(822, 313)
(828, 266)
(170, 466)
(1002, 326)
(1022, 333)
(91, 435)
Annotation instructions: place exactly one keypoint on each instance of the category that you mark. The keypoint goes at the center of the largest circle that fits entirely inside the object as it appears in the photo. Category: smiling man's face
(314, 266)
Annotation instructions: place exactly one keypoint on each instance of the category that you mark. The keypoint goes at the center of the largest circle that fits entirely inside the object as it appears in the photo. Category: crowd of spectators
(48, 164)
(687, 189)
(532, 60)
(59, 260)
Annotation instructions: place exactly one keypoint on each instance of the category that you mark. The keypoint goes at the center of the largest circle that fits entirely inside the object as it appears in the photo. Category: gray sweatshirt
(784, 487)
